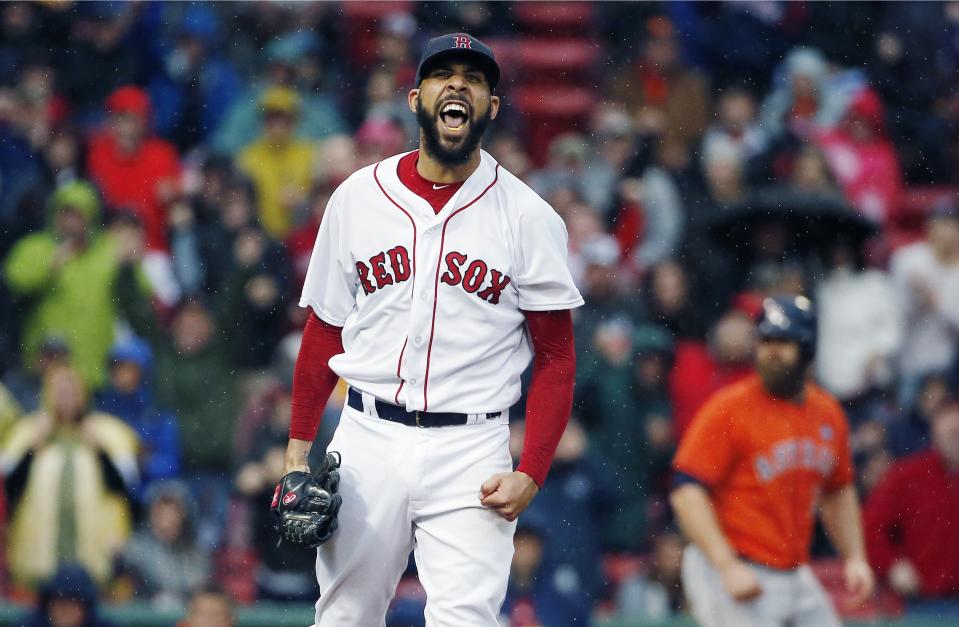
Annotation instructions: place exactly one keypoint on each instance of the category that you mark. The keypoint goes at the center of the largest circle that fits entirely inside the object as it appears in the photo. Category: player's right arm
(330, 292)
(705, 457)
(313, 382)
(697, 519)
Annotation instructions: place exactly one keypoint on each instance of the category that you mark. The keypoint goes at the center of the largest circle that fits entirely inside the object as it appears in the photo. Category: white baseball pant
(408, 488)
(790, 598)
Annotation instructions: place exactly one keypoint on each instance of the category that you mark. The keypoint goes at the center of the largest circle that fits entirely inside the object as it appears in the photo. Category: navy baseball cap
(460, 44)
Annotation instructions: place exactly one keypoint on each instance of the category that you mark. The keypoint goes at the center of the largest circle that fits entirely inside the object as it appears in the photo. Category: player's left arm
(841, 516)
(548, 406)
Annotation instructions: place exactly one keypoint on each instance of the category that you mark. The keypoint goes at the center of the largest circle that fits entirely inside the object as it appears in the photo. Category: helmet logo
(462, 41)
(776, 316)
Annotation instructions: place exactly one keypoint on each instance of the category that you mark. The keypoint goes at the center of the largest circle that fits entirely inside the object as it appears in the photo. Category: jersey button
(412, 381)
(417, 340)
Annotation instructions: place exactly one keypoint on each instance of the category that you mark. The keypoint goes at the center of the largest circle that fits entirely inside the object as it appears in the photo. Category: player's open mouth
(454, 116)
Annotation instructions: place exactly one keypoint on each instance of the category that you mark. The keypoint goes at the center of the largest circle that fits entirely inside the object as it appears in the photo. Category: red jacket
(913, 513)
(696, 376)
(132, 181)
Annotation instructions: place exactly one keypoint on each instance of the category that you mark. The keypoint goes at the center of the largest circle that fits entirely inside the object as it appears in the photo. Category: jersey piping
(399, 361)
(436, 283)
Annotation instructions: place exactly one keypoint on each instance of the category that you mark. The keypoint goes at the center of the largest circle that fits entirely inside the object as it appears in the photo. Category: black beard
(783, 383)
(450, 157)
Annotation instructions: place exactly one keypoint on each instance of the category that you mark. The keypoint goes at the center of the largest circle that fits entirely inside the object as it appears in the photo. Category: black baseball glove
(306, 504)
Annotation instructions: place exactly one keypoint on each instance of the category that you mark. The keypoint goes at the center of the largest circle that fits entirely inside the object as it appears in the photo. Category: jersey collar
(474, 186)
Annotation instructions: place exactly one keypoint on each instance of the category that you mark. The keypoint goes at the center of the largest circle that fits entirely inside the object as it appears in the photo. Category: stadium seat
(570, 56)
(618, 567)
(370, 11)
(830, 574)
(554, 18)
(550, 111)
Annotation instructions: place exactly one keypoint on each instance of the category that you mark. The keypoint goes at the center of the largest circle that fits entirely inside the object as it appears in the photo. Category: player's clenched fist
(859, 580)
(509, 493)
(740, 581)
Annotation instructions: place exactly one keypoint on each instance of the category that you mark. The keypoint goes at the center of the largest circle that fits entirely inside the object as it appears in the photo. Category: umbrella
(812, 222)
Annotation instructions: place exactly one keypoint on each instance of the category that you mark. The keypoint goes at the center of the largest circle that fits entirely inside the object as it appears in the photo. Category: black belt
(395, 413)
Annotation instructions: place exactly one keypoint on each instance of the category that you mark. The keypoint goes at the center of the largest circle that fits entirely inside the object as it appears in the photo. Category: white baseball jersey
(431, 304)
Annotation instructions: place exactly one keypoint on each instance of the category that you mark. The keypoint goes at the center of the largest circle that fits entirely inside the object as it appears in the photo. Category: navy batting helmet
(790, 318)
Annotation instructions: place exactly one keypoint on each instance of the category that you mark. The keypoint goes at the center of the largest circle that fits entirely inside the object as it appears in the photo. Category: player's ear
(411, 99)
(493, 107)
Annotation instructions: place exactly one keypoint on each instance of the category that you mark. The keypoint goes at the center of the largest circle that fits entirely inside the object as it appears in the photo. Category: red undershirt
(437, 194)
(550, 397)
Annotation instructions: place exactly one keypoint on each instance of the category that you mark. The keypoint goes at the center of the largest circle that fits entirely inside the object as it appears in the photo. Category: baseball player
(435, 279)
(757, 461)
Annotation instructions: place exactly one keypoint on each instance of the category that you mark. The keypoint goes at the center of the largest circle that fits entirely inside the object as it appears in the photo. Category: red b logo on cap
(462, 41)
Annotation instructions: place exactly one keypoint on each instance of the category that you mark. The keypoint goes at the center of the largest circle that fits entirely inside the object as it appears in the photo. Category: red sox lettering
(473, 277)
(399, 262)
(393, 266)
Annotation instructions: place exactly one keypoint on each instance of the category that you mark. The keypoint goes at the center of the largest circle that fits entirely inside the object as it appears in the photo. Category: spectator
(253, 298)
(24, 208)
(129, 395)
(701, 369)
(567, 167)
(724, 172)
(575, 506)
(247, 271)
(26, 380)
(386, 100)
(926, 275)
(285, 572)
(286, 56)
(910, 519)
(197, 83)
(216, 227)
(657, 594)
(735, 126)
(510, 152)
(614, 147)
(67, 599)
(69, 471)
(377, 139)
(210, 606)
(860, 327)
(649, 225)
(97, 53)
(909, 432)
(625, 407)
(805, 100)
(670, 301)
(68, 274)
(667, 99)
(864, 160)
(280, 164)
(606, 304)
(136, 170)
(163, 558)
(811, 173)
(299, 243)
(196, 378)
(535, 597)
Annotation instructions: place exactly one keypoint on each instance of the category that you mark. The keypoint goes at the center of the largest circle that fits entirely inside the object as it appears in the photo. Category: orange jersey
(764, 461)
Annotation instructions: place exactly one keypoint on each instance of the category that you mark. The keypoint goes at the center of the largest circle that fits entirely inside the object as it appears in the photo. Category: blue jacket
(158, 429)
(71, 581)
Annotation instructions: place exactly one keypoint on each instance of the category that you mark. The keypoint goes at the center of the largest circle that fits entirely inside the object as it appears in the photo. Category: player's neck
(432, 170)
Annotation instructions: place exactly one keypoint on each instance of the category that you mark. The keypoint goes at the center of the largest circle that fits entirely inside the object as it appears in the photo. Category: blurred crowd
(164, 168)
